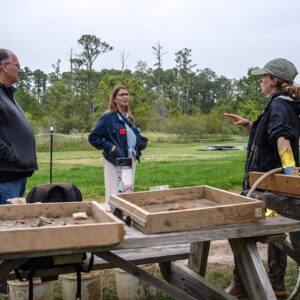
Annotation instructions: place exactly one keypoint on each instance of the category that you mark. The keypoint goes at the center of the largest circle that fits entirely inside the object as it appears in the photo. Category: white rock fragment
(80, 216)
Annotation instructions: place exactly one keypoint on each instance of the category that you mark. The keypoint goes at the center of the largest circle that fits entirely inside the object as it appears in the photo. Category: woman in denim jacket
(118, 136)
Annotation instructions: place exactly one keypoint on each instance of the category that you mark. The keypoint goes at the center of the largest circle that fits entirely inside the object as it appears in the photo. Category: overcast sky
(228, 36)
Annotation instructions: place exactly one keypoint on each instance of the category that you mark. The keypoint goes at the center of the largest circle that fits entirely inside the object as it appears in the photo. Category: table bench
(138, 257)
(186, 282)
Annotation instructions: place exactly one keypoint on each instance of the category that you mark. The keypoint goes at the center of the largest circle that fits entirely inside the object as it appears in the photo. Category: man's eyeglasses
(16, 65)
(123, 95)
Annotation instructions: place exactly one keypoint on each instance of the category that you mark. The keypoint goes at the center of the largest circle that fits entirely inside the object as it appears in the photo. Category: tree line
(184, 99)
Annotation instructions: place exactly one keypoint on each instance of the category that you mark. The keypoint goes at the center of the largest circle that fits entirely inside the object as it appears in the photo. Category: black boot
(4, 288)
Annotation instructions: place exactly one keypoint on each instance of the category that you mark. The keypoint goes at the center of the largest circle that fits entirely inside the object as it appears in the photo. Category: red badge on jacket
(122, 131)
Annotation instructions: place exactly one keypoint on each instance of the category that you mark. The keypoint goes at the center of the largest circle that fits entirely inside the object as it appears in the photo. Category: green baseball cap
(279, 67)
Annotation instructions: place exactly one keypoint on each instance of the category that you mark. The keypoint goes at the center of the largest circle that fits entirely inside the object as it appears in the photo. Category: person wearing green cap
(273, 143)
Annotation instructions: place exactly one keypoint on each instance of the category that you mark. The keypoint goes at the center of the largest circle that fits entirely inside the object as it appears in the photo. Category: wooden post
(251, 269)
(9, 265)
(287, 248)
(119, 262)
(198, 257)
(195, 285)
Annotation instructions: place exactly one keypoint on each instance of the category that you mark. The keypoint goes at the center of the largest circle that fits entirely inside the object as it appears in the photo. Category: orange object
(179, 206)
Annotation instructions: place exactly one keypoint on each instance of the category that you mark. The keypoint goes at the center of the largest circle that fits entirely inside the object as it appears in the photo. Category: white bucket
(90, 286)
(19, 290)
(130, 287)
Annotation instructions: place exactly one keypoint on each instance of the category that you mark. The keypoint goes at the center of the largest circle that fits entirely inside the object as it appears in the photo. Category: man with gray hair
(17, 143)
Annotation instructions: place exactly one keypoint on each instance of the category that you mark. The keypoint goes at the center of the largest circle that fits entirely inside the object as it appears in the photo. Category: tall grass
(62, 142)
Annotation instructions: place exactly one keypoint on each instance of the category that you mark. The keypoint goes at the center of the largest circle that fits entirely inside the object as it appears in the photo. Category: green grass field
(178, 165)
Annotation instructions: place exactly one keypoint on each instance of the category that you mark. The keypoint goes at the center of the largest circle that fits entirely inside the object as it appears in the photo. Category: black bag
(47, 193)
(54, 192)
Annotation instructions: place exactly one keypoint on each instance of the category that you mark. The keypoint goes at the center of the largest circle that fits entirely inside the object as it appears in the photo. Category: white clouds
(227, 36)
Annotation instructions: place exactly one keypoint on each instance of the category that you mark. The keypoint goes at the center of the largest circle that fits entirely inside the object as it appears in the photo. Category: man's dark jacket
(280, 118)
(17, 143)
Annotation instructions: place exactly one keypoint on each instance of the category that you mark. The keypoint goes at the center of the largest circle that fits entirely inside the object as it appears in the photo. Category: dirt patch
(220, 253)
(97, 162)
(182, 204)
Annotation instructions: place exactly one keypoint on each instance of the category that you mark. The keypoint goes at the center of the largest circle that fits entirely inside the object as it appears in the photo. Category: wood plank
(198, 257)
(137, 257)
(206, 217)
(118, 201)
(287, 248)
(278, 183)
(224, 197)
(274, 225)
(179, 280)
(271, 238)
(9, 265)
(98, 211)
(118, 262)
(182, 194)
(10, 212)
(183, 277)
(251, 269)
(171, 195)
(37, 239)
(137, 215)
(136, 239)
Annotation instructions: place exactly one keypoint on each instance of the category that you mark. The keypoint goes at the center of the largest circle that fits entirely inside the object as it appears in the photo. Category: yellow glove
(287, 159)
(270, 213)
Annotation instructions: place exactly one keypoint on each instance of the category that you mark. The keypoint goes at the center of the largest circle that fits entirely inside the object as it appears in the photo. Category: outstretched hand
(237, 119)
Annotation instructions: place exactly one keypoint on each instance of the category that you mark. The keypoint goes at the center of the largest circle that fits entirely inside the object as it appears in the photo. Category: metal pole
(51, 150)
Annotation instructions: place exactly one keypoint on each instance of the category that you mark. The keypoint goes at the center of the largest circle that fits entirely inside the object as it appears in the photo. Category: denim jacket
(110, 131)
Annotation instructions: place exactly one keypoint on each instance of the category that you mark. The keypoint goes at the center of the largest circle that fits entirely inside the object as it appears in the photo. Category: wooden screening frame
(228, 208)
(105, 230)
(281, 183)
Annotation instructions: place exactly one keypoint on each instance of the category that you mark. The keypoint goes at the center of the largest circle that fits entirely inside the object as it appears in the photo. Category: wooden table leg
(197, 286)
(9, 265)
(251, 270)
(119, 262)
(287, 248)
(198, 257)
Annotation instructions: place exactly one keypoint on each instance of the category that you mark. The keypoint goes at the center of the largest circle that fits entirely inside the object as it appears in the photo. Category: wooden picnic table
(184, 282)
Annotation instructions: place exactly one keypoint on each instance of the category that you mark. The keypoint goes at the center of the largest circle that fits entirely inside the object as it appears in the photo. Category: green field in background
(177, 165)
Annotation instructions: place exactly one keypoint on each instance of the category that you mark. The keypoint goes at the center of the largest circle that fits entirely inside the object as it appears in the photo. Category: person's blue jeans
(12, 189)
